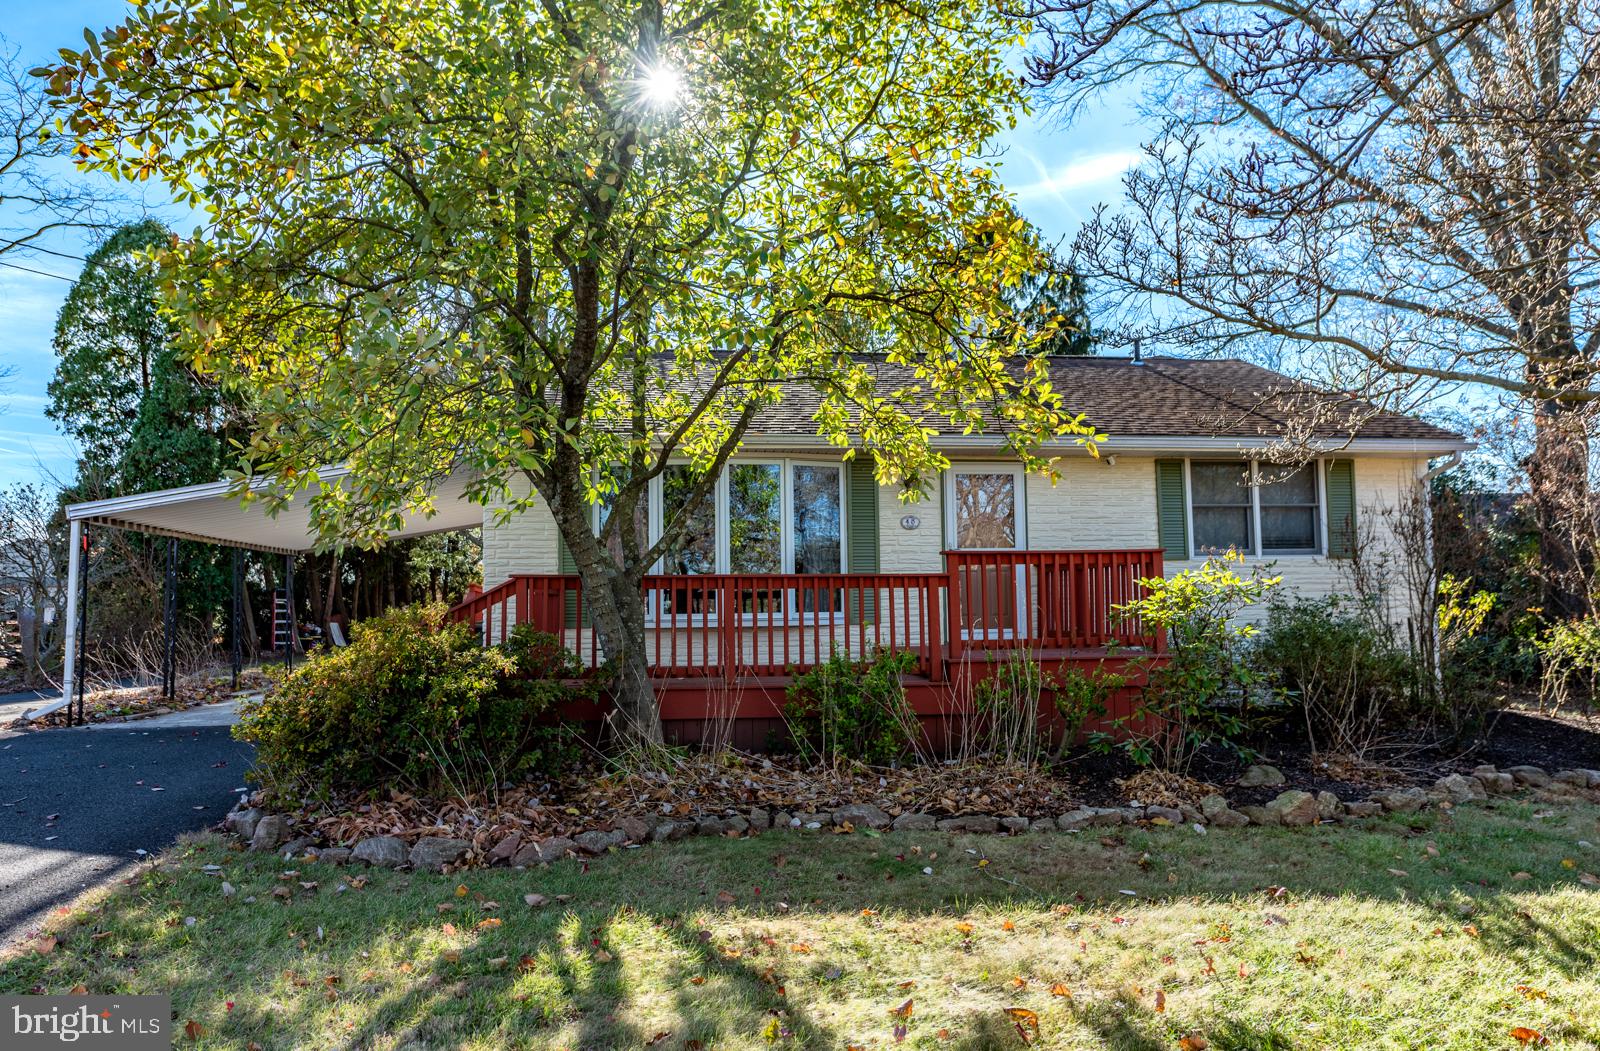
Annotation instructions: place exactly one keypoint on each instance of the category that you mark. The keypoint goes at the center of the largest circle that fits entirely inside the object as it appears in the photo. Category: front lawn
(1444, 931)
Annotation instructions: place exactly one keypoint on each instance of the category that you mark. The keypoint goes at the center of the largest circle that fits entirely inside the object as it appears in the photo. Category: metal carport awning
(208, 514)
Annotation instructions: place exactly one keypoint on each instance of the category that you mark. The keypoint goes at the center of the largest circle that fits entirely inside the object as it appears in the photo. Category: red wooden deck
(725, 647)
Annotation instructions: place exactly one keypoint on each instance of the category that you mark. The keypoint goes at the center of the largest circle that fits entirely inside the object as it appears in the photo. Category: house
(814, 557)
(802, 554)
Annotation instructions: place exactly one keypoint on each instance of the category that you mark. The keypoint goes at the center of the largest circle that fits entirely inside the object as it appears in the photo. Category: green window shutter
(1172, 517)
(861, 516)
(1341, 486)
(567, 564)
(861, 525)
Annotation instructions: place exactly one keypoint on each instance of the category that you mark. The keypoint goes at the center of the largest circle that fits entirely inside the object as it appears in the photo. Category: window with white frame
(760, 516)
(1255, 508)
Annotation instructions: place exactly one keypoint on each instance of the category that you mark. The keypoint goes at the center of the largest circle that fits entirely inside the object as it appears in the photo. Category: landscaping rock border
(1291, 808)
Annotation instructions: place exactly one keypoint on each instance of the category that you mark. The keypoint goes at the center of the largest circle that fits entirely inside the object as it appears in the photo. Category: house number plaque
(910, 522)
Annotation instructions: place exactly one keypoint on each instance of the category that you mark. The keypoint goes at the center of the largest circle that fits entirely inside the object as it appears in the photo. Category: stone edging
(1292, 808)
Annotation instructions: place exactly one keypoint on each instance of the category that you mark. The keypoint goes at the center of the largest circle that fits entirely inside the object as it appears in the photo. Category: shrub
(1203, 691)
(853, 709)
(1080, 696)
(1341, 666)
(414, 703)
(1006, 710)
(1570, 651)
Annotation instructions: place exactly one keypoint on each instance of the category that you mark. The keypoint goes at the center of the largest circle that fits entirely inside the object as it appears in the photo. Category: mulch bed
(1516, 736)
(696, 785)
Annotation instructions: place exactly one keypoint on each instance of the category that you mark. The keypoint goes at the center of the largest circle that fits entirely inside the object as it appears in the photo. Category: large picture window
(772, 516)
(1255, 508)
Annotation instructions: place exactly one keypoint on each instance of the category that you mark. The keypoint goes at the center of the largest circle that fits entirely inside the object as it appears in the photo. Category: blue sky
(1059, 175)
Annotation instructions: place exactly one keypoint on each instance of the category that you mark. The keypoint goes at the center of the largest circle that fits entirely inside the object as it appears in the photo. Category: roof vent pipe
(1137, 360)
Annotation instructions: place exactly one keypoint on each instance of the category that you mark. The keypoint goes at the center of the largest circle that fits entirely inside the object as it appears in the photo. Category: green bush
(1570, 652)
(1080, 696)
(412, 703)
(854, 709)
(1203, 692)
(1343, 669)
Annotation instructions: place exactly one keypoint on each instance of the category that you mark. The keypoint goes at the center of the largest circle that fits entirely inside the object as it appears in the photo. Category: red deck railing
(731, 625)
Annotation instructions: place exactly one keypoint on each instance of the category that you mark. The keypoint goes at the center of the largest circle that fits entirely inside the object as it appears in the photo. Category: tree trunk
(1558, 482)
(252, 645)
(615, 607)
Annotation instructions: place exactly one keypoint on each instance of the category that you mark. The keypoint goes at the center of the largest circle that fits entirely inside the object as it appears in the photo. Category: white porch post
(69, 662)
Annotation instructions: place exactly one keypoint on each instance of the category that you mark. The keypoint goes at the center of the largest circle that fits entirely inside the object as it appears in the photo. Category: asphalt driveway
(76, 805)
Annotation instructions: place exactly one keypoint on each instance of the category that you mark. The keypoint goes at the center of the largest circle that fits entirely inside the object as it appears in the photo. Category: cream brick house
(802, 554)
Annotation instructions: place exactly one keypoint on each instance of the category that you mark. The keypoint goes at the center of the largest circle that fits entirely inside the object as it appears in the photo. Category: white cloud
(1077, 174)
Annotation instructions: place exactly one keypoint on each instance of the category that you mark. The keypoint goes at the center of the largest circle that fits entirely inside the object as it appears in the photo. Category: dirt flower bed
(592, 810)
(695, 786)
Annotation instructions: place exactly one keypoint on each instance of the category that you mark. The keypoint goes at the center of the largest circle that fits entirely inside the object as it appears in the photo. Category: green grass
(804, 940)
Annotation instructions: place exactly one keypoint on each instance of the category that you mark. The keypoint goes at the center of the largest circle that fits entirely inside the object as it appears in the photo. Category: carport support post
(238, 570)
(69, 651)
(169, 663)
(83, 622)
(288, 610)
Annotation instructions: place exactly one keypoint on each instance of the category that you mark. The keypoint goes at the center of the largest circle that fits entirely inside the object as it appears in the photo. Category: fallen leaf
(461, 890)
(1026, 1021)
(1161, 1001)
(488, 924)
(964, 928)
(601, 956)
(193, 1030)
(1193, 1042)
(903, 1011)
(1059, 989)
(1528, 1037)
(799, 947)
(79, 990)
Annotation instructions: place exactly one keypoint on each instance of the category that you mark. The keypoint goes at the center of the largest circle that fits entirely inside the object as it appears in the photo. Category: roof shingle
(1172, 397)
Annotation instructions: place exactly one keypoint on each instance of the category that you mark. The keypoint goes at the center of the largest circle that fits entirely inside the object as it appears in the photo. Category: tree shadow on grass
(624, 958)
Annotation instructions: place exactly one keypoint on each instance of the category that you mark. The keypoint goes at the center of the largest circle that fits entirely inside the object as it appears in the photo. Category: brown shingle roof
(1173, 397)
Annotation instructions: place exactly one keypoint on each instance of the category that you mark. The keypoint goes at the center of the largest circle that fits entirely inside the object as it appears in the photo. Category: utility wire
(40, 273)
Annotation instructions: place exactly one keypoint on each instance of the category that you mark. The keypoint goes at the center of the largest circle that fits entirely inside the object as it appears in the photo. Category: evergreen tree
(109, 334)
(144, 420)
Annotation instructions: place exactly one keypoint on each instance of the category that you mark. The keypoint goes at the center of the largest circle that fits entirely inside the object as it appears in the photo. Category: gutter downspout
(1427, 518)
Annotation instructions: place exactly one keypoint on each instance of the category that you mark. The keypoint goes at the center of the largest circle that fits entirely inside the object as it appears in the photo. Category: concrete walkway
(12, 705)
(77, 806)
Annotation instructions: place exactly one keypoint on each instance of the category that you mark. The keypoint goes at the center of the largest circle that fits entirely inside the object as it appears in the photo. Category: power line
(104, 265)
(40, 273)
